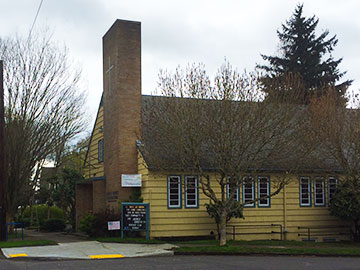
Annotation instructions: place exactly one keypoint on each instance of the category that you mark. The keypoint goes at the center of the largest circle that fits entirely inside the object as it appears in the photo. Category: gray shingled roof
(152, 151)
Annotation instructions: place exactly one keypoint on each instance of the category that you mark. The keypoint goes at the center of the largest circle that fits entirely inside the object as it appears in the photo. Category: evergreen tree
(303, 53)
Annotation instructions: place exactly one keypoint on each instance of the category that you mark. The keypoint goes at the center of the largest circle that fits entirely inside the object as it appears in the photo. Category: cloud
(180, 32)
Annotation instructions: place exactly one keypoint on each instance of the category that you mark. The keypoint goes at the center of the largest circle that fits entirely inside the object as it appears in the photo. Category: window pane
(263, 191)
(248, 191)
(101, 150)
(305, 191)
(332, 183)
(191, 191)
(319, 192)
(191, 203)
(174, 191)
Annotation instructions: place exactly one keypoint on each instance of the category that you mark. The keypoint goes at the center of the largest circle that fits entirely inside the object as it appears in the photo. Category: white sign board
(131, 180)
(113, 225)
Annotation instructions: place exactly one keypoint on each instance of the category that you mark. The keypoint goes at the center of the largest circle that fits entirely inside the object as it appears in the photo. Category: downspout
(284, 213)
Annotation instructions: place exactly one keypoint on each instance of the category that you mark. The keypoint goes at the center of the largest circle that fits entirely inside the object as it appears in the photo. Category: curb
(177, 253)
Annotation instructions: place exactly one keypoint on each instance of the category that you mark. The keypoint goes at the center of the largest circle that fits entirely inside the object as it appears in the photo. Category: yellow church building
(298, 212)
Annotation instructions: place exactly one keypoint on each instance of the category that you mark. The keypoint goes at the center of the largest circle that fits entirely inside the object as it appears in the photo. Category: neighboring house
(176, 203)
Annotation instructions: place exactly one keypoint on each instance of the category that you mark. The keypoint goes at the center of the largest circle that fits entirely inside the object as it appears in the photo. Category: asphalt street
(188, 262)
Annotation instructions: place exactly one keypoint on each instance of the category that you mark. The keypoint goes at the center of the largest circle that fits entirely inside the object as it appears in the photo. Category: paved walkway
(90, 250)
(58, 237)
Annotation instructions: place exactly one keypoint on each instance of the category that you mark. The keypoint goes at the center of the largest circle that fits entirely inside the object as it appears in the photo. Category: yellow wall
(92, 167)
(285, 210)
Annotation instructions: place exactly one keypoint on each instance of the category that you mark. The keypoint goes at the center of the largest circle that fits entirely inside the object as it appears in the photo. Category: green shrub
(95, 225)
(53, 225)
(88, 224)
(346, 204)
(40, 212)
(24, 221)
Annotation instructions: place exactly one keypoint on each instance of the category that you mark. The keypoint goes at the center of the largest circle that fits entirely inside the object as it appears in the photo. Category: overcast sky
(180, 32)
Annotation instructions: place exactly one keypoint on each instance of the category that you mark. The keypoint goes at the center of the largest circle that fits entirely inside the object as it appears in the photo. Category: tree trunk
(9, 219)
(218, 231)
(223, 228)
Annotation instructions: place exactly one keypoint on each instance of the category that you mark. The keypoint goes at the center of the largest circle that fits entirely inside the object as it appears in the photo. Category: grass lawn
(11, 244)
(270, 247)
(271, 243)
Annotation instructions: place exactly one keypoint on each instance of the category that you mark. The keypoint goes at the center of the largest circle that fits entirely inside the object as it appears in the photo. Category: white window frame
(267, 204)
(253, 191)
(196, 205)
(237, 194)
(309, 191)
(179, 204)
(322, 193)
(329, 187)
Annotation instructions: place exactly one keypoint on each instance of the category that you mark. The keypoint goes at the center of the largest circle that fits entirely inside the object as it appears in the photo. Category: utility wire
(37, 13)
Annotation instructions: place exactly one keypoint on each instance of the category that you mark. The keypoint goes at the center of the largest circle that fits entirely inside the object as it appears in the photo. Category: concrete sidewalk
(90, 250)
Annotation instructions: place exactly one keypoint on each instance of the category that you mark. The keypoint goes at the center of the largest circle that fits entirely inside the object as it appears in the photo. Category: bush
(346, 204)
(95, 225)
(24, 221)
(40, 212)
(88, 224)
(53, 225)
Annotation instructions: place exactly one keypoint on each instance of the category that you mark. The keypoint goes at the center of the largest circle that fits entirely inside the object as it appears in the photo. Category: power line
(37, 13)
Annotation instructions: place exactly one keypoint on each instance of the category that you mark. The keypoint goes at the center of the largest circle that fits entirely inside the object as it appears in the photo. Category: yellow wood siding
(92, 167)
(285, 210)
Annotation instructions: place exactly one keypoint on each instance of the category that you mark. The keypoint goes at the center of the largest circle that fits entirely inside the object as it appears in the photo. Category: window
(174, 191)
(232, 188)
(332, 184)
(263, 190)
(248, 191)
(191, 192)
(101, 150)
(319, 192)
(305, 191)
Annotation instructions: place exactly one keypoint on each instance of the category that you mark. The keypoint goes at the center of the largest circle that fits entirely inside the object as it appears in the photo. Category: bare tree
(337, 137)
(43, 107)
(224, 132)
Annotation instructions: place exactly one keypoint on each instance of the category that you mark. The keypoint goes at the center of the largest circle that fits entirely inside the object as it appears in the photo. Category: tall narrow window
(263, 191)
(191, 192)
(174, 191)
(101, 150)
(332, 184)
(232, 188)
(319, 192)
(305, 191)
(248, 191)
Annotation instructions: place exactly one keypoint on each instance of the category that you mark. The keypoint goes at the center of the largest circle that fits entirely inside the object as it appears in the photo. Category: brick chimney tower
(122, 106)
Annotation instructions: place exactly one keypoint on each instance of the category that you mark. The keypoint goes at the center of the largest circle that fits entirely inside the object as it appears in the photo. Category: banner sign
(131, 180)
